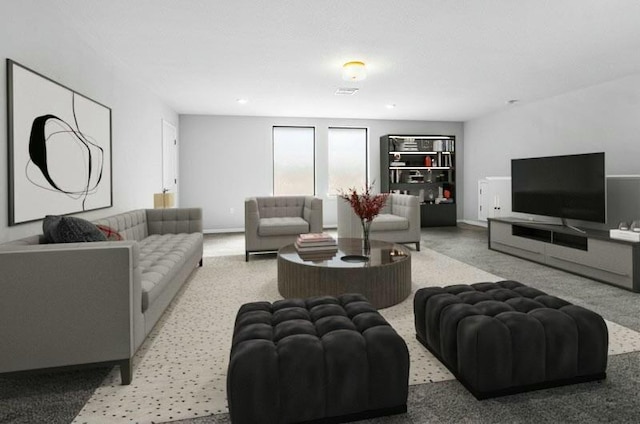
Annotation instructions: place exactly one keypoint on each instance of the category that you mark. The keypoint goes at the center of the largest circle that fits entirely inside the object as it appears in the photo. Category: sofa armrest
(312, 213)
(68, 304)
(174, 221)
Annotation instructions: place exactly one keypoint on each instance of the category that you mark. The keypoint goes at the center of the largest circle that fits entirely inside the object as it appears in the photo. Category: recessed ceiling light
(390, 106)
(242, 101)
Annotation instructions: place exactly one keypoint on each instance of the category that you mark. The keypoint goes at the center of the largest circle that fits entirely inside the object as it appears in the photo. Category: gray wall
(605, 117)
(225, 159)
(36, 35)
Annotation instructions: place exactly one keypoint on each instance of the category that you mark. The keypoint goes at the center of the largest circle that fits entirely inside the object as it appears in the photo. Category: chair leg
(418, 246)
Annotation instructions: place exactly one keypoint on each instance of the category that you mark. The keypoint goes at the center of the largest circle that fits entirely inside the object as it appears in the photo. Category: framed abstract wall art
(59, 148)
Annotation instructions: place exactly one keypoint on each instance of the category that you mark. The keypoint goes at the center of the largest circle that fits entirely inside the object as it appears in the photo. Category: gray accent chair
(398, 222)
(80, 304)
(273, 222)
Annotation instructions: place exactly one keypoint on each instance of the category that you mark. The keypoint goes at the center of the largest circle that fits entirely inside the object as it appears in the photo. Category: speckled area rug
(180, 370)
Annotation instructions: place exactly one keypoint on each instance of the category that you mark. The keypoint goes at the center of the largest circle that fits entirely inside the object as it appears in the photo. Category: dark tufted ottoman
(505, 337)
(322, 359)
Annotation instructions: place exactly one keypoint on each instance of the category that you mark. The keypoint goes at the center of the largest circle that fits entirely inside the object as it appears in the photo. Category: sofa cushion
(161, 258)
(69, 229)
(282, 226)
(389, 222)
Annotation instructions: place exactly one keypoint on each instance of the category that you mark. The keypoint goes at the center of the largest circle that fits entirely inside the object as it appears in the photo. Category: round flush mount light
(242, 101)
(390, 106)
(354, 71)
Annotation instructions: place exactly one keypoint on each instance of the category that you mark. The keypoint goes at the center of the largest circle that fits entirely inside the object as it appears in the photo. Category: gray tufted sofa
(72, 304)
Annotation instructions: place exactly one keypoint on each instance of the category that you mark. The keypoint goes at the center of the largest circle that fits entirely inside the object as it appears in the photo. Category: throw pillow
(69, 229)
(110, 233)
(49, 225)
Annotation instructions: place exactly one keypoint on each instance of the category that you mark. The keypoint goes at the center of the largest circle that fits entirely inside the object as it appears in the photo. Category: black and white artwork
(59, 148)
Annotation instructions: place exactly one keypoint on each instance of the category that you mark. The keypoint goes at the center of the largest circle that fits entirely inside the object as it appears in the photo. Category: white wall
(36, 35)
(225, 159)
(605, 117)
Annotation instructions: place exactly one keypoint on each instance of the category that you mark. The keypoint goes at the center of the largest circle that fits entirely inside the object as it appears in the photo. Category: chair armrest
(251, 218)
(312, 213)
(174, 221)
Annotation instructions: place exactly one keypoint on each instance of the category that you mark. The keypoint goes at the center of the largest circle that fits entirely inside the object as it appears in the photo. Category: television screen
(570, 187)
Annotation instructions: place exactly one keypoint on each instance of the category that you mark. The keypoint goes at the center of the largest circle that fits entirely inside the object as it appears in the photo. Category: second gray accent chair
(276, 221)
(398, 222)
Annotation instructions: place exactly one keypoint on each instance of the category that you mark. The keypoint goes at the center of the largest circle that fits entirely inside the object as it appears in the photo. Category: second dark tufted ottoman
(322, 359)
(505, 337)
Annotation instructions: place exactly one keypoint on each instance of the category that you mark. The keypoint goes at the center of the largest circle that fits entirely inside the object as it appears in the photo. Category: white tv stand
(592, 253)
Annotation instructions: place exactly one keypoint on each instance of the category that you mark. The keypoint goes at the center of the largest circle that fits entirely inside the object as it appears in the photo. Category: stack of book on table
(316, 246)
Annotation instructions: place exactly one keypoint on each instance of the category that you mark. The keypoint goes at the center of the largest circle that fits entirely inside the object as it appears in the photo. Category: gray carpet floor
(58, 397)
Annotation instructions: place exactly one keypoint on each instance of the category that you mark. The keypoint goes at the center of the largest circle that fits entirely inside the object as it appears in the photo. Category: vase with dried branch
(366, 206)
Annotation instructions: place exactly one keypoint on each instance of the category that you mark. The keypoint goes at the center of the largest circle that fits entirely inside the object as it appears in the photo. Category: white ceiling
(435, 59)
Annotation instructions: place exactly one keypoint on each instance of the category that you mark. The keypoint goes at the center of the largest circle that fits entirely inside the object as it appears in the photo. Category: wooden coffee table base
(383, 284)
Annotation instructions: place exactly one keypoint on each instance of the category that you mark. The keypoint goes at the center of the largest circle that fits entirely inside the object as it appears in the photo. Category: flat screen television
(567, 187)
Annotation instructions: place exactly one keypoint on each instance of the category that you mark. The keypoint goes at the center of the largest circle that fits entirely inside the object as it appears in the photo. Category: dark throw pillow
(110, 233)
(68, 229)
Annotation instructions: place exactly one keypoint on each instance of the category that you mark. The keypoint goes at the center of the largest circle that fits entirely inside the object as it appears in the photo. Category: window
(293, 160)
(347, 148)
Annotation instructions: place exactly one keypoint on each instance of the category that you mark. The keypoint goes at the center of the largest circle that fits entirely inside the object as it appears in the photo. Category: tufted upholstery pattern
(174, 221)
(131, 225)
(280, 206)
(505, 337)
(306, 359)
(161, 258)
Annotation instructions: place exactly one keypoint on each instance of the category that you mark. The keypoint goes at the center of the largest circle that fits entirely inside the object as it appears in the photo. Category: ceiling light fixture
(242, 101)
(354, 71)
(391, 106)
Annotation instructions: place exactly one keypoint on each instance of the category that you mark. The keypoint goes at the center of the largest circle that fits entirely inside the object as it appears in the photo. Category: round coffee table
(384, 278)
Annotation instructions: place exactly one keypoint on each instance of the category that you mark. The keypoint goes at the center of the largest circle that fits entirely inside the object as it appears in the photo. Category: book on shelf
(398, 164)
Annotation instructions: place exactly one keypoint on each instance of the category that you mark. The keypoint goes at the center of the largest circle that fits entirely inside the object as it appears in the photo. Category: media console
(593, 254)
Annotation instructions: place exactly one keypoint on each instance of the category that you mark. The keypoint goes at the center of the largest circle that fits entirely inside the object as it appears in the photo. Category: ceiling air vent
(346, 91)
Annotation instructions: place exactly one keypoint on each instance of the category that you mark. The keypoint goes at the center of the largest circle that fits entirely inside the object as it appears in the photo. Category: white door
(483, 200)
(494, 197)
(169, 157)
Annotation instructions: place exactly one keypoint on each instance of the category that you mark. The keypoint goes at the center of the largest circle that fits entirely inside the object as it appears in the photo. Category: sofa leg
(200, 263)
(126, 372)
(246, 256)
(418, 246)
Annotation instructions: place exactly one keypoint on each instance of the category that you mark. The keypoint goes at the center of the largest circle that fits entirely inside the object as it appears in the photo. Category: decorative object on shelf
(366, 206)
(427, 160)
(397, 157)
(164, 200)
(59, 148)
(354, 71)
